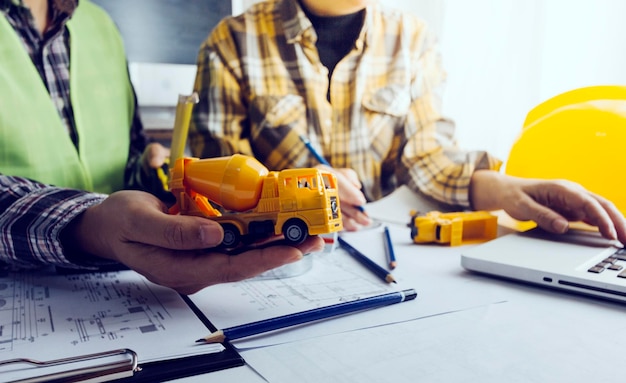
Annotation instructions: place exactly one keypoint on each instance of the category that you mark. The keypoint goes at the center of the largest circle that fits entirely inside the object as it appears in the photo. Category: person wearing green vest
(71, 140)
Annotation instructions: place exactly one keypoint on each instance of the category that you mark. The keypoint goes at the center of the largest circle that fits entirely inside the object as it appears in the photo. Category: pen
(365, 261)
(308, 316)
(320, 159)
(391, 255)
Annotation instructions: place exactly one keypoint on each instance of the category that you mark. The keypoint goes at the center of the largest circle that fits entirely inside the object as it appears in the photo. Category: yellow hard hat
(580, 136)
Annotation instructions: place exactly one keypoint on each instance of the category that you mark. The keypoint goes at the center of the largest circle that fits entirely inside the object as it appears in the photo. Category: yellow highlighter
(179, 134)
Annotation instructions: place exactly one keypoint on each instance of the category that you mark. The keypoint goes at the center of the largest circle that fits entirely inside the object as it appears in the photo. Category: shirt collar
(298, 27)
(294, 20)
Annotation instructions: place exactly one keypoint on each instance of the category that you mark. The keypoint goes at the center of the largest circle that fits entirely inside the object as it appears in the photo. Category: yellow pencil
(179, 133)
(181, 126)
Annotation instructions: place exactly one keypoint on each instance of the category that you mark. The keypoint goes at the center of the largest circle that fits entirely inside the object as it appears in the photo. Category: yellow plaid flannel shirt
(262, 85)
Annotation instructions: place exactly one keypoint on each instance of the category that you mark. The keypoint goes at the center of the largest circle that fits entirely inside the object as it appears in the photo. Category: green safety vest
(34, 142)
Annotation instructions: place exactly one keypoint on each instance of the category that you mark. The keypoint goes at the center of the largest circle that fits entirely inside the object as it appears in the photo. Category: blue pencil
(391, 255)
(308, 316)
(365, 261)
(320, 159)
(314, 152)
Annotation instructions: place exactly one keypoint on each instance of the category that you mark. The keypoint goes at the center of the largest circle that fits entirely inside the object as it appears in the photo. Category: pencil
(181, 125)
(307, 316)
(321, 159)
(391, 255)
(365, 261)
(179, 135)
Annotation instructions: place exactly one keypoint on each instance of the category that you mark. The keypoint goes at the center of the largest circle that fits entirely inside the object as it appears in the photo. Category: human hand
(133, 228)
(350, 198)
(154, 156)
(552, 204)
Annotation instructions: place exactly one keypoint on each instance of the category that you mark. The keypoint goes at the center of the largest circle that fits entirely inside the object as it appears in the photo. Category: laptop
(578, 261)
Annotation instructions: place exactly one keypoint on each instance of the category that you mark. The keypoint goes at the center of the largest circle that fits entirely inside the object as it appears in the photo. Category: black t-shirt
(335, 36)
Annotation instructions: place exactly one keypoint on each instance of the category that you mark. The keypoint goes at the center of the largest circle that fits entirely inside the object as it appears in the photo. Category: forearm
(436, 165)
(32, 218)
(486, 190)
(441, 170)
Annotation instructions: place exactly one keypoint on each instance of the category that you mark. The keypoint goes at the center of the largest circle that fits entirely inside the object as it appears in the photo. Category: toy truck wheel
(295, 231)
(232, 236)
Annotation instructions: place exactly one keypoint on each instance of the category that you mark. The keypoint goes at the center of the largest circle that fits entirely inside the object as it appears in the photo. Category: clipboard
(188, 366)
(97, 373)
(127, 369)
(123, 362)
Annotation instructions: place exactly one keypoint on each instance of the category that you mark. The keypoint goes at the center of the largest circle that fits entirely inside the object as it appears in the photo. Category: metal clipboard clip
(104, 372)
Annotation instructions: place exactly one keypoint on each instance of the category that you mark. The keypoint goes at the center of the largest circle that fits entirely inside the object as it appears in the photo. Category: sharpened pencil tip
(215, 337)
(390, 279)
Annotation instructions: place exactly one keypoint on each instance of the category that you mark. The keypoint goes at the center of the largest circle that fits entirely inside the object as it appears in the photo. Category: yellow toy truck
(455, 229)
(256, 203)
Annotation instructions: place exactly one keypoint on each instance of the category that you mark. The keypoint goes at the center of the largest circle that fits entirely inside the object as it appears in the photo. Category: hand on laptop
(552, 204)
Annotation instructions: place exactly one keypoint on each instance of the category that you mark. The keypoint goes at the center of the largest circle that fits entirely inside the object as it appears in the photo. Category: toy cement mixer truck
(256, 203)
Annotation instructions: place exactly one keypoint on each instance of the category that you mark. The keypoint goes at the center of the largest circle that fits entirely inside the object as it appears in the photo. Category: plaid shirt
(32, 215)
(262, 85)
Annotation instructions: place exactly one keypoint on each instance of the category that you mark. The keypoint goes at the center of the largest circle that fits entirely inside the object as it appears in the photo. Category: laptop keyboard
(615, 263)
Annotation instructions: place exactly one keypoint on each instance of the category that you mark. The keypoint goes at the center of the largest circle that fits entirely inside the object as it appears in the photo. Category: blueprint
(46, 316)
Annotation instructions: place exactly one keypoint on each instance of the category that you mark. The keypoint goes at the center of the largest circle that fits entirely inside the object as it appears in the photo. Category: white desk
(537, 335)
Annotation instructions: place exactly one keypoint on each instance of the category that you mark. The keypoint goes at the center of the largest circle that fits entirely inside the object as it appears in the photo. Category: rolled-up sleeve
(432, 162)
(32, 216)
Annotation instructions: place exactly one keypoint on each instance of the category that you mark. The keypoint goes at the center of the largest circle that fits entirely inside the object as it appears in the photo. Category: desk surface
(534, 335)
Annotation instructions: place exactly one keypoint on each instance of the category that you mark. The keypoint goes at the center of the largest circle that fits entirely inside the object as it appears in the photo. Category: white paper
(396, 207)
(442, 287)
(537, 336)
(46, 316)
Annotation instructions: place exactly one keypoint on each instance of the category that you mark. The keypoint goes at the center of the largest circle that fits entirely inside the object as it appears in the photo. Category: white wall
(489, 50)
(160, 84)
(503, 57)
(583, 45)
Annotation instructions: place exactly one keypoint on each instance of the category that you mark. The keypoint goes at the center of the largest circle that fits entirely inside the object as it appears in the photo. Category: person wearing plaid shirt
(363, 84)
(75, 121)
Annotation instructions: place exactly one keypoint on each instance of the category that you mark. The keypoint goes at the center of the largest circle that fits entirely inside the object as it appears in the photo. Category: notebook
(578, 261)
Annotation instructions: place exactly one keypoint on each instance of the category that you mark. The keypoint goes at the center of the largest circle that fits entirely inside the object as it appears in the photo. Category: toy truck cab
(308, 203)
